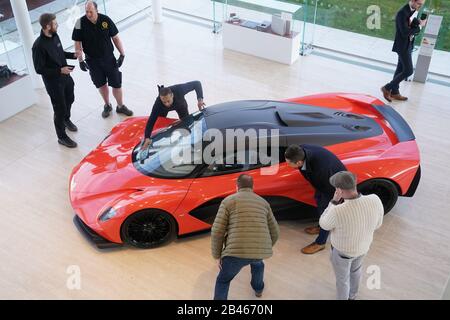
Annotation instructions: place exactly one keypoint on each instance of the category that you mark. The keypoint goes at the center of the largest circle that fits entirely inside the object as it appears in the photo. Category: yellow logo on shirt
(105, 25)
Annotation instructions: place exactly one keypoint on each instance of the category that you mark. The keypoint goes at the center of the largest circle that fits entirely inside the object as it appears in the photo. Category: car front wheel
(148, 229)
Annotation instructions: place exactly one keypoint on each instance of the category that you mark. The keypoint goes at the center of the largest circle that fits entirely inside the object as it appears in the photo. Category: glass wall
(374, 18)
(67, 12)
(366, 28)
(12, 58)
(358, 27)
(257, 12)
(120, 10)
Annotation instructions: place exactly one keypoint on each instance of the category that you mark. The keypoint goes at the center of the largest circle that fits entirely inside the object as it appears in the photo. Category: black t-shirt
(95, 38)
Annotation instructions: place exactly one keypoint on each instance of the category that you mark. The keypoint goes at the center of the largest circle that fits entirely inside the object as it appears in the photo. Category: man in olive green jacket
(243, 233)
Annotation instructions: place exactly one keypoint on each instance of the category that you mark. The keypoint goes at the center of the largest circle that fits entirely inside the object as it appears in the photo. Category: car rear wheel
(148, 229)
(386, 190)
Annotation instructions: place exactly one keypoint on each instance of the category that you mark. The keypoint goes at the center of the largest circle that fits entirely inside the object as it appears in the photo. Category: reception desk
(16, 96)
(267, 45)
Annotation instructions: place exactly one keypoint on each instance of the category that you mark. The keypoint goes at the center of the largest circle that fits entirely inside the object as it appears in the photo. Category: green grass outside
(351, 15)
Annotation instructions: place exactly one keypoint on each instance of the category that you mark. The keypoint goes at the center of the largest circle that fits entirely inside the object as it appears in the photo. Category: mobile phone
(423, 16)
(71, 66)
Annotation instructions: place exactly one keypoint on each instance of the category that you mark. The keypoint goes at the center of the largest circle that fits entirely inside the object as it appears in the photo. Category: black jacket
(321, 164)
(179, 104)
(404, 32)
(49, 56)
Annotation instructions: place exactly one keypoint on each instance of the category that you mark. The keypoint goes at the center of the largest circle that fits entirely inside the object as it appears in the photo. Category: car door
(283, 187)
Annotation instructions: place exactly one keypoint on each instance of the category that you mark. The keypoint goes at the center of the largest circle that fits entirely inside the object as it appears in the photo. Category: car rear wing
(396, 121)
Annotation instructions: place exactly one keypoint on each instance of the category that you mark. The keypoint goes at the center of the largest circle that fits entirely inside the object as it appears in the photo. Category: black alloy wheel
(386, 190)
(148, 229)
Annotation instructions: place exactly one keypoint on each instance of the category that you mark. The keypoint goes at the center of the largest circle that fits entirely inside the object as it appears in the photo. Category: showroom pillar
(427, 46)
(157, 11)
(24, 27)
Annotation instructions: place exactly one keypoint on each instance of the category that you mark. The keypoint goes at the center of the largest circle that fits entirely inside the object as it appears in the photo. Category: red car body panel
(106, 177)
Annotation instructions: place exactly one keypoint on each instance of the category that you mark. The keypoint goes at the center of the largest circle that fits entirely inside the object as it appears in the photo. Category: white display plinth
(266, 45)
(16, 96)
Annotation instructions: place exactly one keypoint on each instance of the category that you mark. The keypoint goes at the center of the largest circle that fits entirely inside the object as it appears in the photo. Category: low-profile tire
(386, 190)
(148, 229)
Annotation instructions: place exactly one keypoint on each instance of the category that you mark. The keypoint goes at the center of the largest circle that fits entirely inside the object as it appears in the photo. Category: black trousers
(61, 92)
(403, 71)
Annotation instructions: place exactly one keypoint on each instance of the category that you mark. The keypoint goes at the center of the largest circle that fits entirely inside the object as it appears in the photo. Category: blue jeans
(230, 268)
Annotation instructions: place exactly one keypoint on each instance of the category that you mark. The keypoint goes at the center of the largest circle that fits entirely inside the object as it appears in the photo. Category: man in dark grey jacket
(243, 233)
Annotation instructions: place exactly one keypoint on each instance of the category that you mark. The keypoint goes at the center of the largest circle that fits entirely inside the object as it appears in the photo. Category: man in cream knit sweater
(243, 233)
(351, 219)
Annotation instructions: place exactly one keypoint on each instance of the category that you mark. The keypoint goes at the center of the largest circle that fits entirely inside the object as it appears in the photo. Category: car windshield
(173, 151)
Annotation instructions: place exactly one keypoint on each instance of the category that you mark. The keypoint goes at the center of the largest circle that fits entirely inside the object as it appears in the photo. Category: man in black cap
(92, 35)
(169, 99)
(49, 59)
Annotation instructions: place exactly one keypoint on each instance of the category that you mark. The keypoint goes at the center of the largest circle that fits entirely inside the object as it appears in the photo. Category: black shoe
(106, 110)
(71, 126)
(123, 109)
(66, 141)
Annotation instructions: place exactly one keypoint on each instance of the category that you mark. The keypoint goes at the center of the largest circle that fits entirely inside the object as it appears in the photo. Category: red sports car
(122, 194)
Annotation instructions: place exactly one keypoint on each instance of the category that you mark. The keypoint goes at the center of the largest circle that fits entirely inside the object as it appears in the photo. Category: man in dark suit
(406, 30)
(317, 165)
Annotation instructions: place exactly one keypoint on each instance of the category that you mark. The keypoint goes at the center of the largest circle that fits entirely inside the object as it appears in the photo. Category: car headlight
(73, 184)
(108, 214)
(109, 134)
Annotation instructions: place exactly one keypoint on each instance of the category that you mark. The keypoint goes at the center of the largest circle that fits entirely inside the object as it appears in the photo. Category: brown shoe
(386, 93)
(313, 248)
(399, 97)
(312, 230)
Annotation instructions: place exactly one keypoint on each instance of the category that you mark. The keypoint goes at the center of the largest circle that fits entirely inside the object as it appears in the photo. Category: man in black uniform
(405, 32)
(92, 35)
(169, 99)
(316, 164)
(49, 59)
